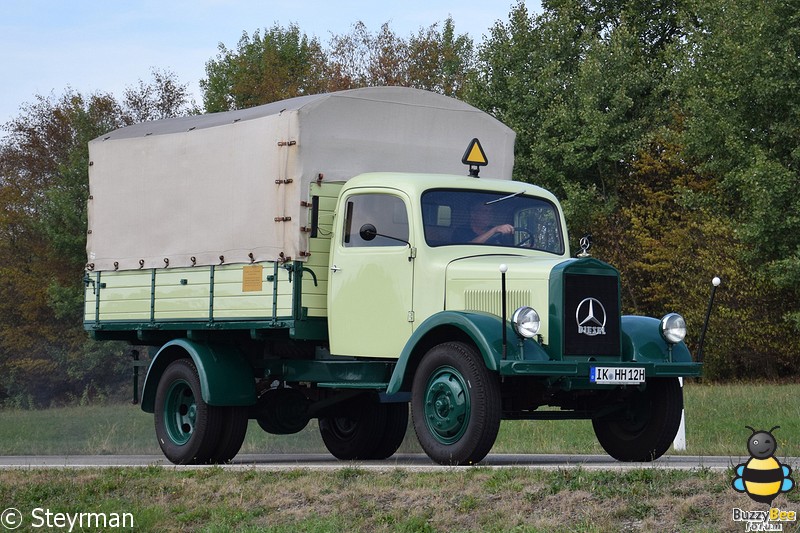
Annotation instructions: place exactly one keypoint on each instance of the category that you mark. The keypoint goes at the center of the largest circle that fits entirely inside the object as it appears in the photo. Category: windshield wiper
(505, 198)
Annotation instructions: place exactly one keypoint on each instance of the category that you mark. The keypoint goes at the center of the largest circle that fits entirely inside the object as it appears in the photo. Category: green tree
(434, 59)
(44, 353)
(363, 59)
(285, 63)
(440, 60)
(583, 84)
(281, 63)
(741, 76)
(163, 96)
(668, 247)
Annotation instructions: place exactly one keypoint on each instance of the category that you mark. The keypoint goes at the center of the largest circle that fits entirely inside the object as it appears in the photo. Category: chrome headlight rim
(673, 328)
(526, 322)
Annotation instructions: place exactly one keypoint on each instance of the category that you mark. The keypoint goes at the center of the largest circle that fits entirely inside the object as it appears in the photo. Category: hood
(474, 284)
(487, 268)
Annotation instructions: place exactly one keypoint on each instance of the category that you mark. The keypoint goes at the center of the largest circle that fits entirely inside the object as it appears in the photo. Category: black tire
(355, 432)
(231, 437)
(644, 430)
(282, 411)
(187, 429)
(455, 404)
(396, 415)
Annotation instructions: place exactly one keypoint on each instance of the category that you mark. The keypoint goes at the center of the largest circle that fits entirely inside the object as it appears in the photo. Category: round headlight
(526, 322)
(673, 328)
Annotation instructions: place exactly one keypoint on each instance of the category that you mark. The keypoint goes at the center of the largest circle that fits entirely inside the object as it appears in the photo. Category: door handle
(335, 269)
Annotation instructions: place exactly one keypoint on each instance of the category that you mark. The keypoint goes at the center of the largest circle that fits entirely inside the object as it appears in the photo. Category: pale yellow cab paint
(376, 293)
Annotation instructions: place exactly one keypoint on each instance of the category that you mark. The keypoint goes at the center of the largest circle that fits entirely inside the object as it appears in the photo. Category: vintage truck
(338, 257)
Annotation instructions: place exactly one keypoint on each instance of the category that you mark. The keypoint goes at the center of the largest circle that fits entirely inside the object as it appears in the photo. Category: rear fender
(226, 378)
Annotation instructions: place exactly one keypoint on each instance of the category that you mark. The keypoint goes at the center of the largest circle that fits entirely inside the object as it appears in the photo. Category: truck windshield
(457, 217)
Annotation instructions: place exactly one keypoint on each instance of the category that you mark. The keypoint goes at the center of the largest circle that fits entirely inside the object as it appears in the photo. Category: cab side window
(375, 220)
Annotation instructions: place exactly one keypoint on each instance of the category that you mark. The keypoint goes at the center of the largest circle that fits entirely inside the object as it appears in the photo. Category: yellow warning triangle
(475, 154)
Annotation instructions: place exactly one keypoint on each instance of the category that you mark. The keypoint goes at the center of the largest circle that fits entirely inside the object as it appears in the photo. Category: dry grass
(350, 499)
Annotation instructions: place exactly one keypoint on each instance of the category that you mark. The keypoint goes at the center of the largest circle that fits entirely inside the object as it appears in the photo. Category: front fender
(642, 341)
(484, 330)
(226, 378)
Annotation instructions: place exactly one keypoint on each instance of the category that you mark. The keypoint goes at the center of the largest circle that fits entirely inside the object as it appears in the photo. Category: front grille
(490, 301)
(591, 315)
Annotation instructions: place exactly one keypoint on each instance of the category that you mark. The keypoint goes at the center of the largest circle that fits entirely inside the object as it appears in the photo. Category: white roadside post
(679, 444)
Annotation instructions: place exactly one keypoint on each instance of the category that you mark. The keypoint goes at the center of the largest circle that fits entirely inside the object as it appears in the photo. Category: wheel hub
(180, 412)
(447, 405)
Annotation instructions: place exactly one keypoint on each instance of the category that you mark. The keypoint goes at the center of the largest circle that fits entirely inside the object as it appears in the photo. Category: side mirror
(368, 232)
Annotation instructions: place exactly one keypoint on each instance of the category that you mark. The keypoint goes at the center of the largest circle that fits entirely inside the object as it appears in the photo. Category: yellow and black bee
(762, 477)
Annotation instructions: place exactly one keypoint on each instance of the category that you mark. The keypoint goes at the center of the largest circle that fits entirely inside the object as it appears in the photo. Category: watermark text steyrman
(41, 517)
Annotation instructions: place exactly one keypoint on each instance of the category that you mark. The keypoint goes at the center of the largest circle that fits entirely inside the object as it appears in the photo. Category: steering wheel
(527, 239)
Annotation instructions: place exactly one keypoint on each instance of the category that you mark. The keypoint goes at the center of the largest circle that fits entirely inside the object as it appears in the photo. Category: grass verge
(351, 499)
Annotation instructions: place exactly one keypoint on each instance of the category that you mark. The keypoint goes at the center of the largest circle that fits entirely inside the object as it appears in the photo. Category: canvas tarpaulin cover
(227, 187)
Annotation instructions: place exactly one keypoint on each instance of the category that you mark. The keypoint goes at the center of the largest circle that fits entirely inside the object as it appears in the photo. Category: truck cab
(405, 249)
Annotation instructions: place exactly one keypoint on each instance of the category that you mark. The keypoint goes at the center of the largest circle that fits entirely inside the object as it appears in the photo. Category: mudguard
(483, 329)
(642, 341)
(226, 378)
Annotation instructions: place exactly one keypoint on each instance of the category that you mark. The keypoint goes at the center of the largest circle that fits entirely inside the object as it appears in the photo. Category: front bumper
(581, 369)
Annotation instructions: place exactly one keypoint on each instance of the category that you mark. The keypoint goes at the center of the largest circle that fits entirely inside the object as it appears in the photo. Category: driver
(481, 226)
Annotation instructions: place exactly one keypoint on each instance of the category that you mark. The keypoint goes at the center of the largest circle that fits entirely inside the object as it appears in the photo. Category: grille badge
(590, 316)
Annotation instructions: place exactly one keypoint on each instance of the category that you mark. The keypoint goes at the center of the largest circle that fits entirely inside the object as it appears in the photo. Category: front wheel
(645, 427)
(455, 404)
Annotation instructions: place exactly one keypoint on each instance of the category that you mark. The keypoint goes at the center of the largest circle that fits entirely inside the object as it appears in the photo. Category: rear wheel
(355, 432)
(644, 429)
(231, 437)
(188, 429)
(282, 411)
(455, 404)
(396, 415)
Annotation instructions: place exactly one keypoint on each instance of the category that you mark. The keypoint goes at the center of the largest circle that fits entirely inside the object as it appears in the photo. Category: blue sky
(47, 46)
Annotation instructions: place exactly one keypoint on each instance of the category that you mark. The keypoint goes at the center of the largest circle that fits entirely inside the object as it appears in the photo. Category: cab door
(370, 288)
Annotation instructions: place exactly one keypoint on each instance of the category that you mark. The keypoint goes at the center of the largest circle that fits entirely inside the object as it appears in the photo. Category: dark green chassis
(369, 375)
(565, 375)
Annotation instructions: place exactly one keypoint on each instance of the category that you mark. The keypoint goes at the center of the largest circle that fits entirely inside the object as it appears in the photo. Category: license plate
(616, 375)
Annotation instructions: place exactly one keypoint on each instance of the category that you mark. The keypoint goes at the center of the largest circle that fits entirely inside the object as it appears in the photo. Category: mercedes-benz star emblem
(591, 317)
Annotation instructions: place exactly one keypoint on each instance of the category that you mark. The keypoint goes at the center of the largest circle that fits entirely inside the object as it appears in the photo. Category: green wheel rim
(447, 405)
(180, 412)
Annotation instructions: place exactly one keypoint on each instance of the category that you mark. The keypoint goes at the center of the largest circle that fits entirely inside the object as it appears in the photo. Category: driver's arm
(502, 229)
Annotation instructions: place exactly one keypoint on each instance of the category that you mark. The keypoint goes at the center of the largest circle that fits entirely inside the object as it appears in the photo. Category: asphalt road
(411, 462)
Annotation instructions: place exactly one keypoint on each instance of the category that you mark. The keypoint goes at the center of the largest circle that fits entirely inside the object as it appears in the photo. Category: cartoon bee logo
(762, 477)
